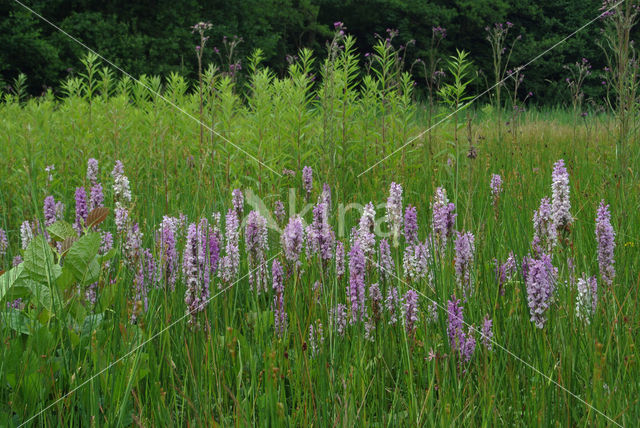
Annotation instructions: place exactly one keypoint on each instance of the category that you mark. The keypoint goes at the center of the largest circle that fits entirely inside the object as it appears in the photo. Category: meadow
(210, 254)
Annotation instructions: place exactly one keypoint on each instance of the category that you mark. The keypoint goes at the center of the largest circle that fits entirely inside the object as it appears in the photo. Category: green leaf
(38, 261)
(41, 293)
(15, 320)
(10, 279)
(81, 258)
(61, 230)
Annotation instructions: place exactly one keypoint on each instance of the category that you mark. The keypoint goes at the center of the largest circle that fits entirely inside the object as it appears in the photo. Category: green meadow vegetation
(185, 320)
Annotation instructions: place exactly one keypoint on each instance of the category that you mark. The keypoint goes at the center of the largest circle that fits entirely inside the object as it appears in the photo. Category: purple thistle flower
(443, 218)
(81, 209)
(496, 187)
(280, 315)
(356, 289)
(92, 171)
(410, 309)
(560, 203)
(26, 234)
(411, 225)
(587, 298)
(132, 243)
(465, 249)
(540, 281)
(320, 237)
(468, 347)
(307, 181)
(339, 259)
(292, 239)
(49, 211)
(279, 211)
(4, 242)
(255, 236)
(238, 202)
(545, 232)
(385, 261)
(96, 197)
(394, 212)
(339, 318)
(605, 236)
(487, 332)
(392, 303)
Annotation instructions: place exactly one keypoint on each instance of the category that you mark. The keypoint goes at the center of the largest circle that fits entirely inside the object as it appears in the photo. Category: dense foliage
(155, 37)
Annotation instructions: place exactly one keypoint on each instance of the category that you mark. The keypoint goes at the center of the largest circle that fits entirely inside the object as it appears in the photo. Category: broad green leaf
(41, 294)
(11, 278)
(15, 320)
(81, 257)
(38, 261)
(61, 230)
(107, 256)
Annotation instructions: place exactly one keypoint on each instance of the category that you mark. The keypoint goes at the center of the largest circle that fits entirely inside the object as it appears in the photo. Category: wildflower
(460, 341)
(410, 309)
(339, 318)
(26, 234)
(376, 301)
(394, 212)
(92, 171)
(411, 225)
(96, 197)
(385, 261)
(605, 236)
(316, 338)
(443, 218)
(196, 295)
(106, 239)
(4, 242)
(415, 262)
(505, 271)
(587, 298)
(49, 211)
(230, 263)
(560, 203)
(292, 239)
(356, 289)
(325, 197)
(320, 237)
(364, 234)
(121, 190)
(255, 236)
(81, 209)
(307, 181)
(496, 187)
(168, 252)
(280, 315)
(279, 211)
(49, 170)
(121, 220)
(339, 259)
(487, 332)
(16, 260)
(465, 249)
(238, 202)
(432, 312)
(540, 280)
(545, 232)
(392, 302)
(132, 243)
